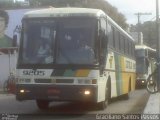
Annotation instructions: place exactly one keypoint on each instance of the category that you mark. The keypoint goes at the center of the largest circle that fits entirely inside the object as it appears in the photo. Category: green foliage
(149, 32)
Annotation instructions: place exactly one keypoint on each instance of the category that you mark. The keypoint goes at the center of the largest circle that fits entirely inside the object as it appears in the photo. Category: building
(8, 55)
(15, 17)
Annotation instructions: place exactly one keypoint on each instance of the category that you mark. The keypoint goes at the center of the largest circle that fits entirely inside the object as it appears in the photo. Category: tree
(149, 32)
(110, 10)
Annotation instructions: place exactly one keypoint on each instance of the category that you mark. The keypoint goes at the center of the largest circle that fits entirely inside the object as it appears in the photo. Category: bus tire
(102, 105)
(42, 104)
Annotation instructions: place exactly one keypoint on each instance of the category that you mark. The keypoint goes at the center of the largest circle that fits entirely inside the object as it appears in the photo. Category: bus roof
(144, 47)
(119, 28)
(62, 12)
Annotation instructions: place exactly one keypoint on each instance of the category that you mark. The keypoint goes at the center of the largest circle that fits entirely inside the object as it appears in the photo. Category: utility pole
(138, 15)
(158, 41)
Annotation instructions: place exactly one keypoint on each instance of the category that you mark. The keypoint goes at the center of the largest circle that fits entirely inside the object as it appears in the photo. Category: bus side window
(103, 34)
(122, 41)
(117, 40)
(110, 35)
(103, 44)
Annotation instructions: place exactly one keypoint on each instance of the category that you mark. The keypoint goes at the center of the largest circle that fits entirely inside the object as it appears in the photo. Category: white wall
(4, 66)
(15, 17)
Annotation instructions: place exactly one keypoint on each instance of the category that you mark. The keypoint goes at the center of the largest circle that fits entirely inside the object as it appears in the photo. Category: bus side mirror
(14, 41)
(103, 51)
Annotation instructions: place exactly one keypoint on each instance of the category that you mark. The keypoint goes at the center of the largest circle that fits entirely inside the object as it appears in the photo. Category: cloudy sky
(130, 7)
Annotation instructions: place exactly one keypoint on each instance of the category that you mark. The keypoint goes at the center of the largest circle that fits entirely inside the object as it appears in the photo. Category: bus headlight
(87, 92)
(22, 91)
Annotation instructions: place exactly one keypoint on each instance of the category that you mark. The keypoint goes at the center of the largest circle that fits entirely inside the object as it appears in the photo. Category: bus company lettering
(34, 72)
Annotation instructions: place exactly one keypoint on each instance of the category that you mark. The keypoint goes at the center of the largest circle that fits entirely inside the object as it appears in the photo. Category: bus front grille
(54, 81)
(42, 80)
(64, 81)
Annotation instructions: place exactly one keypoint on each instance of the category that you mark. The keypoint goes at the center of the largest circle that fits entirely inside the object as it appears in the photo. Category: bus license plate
(53, 91)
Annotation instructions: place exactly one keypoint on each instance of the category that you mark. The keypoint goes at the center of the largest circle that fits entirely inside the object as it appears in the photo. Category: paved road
(61, 110)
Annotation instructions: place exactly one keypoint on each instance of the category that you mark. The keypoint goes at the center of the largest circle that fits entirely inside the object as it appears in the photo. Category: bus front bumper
(56, 92)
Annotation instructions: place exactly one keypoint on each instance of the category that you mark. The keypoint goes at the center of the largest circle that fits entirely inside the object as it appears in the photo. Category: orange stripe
(82, 73)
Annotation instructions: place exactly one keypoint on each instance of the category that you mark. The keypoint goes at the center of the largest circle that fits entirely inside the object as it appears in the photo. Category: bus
(74, 54)
(145, 58)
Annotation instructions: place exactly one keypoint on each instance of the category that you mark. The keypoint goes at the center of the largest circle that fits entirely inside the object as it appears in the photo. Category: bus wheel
(42, 104)
(104, 104)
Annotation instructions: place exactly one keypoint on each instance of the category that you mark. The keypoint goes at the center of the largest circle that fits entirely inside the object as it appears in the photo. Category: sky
(130, 7)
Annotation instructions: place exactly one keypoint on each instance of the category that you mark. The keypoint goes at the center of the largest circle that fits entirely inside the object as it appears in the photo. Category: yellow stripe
(125, 79)
(123, 74)
(82, 73)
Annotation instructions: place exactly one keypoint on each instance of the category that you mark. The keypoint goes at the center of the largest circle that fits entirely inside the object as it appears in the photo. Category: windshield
(59, 41)
(141, 52)
(76, 42)
(38, 41)
(141, 67)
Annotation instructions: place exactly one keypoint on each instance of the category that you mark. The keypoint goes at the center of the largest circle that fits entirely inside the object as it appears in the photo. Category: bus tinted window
(122, 43)
(117, 40)
(129, 48)
(110, 37)
(126, 46)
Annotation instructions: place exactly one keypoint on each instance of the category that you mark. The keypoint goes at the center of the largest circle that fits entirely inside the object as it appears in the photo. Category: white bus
(73, 54)
(145, 58)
